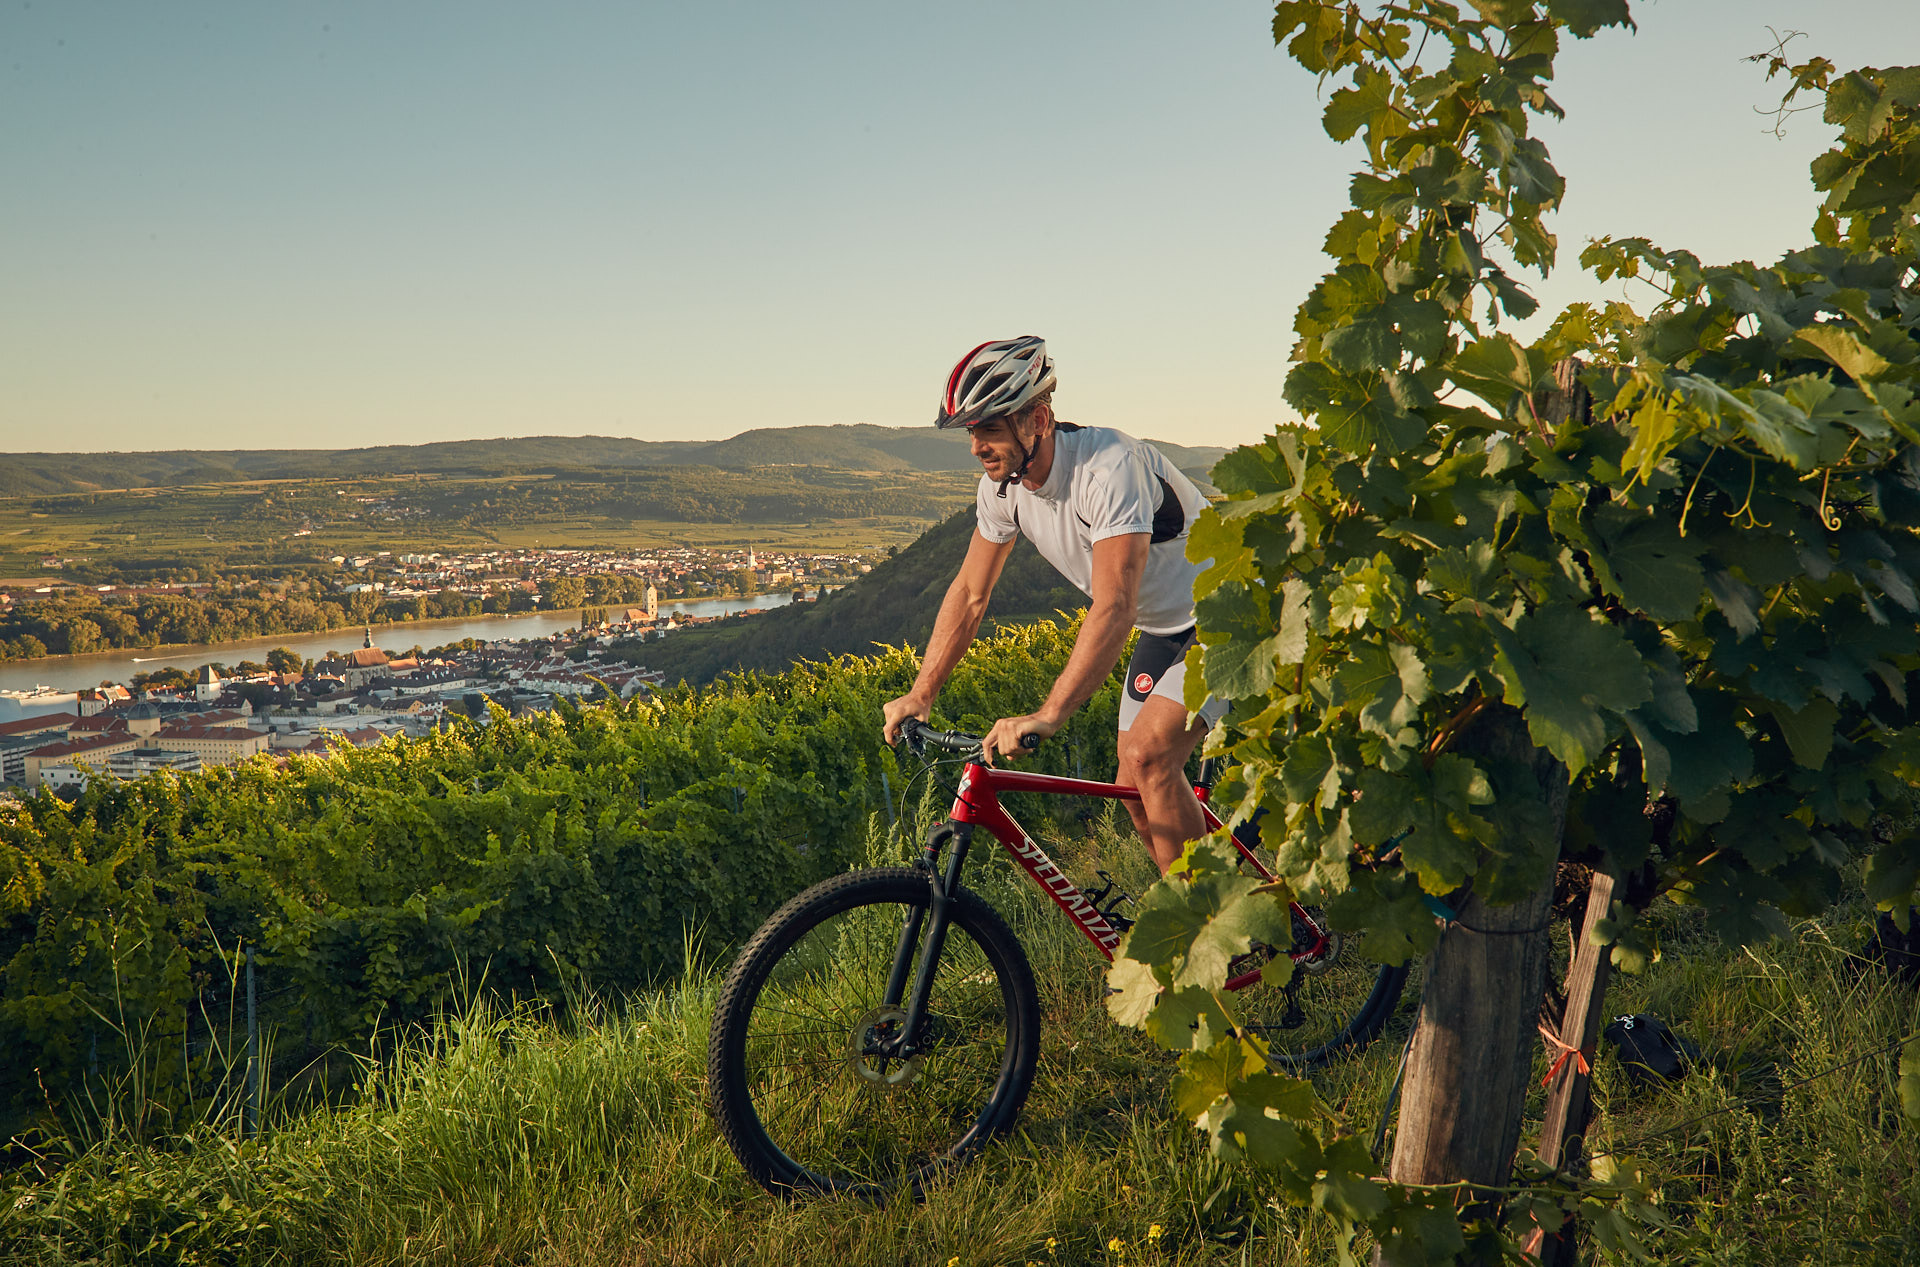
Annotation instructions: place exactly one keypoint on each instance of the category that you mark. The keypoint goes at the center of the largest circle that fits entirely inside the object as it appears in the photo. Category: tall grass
(502, 1136)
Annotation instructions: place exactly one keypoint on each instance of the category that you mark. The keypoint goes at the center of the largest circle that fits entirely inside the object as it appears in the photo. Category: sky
(244, 225)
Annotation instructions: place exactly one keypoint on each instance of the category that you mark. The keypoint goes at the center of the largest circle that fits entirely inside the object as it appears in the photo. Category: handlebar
(918, 735)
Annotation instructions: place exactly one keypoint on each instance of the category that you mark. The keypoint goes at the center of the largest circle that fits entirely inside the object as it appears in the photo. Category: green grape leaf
(1197, 925)
(1312, 774)
(1386, 807)
(1808, 731)
(1584, 17)
(1656, 763)
(1893, 875)
(1421, 1234)
(1715, 757)
(1186, 1018)
(1672, 704)
(1368, 343)
(1494, 370)
(1462, 573)
(1237, 632)
(1209, 1073)
(1399, 925)
(1389, 683)
(1655, 570)
(1443, 848)
(1239, 1130)
(1738, 601)
(1838, 345)
(1563, 668)
(1363, 105)
(1133, 990)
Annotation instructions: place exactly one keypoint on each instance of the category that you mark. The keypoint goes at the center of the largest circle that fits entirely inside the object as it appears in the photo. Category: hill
(847, 447)
(894, 604)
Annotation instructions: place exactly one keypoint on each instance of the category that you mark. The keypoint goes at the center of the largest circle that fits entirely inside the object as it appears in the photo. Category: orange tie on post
(1583, 1055)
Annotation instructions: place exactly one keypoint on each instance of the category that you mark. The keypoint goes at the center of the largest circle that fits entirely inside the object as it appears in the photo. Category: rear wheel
(798, 1066)
(1335, 1004)
(1337, 1001)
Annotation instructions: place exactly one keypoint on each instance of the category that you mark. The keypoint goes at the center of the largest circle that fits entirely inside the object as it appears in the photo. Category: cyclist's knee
(1151, 758)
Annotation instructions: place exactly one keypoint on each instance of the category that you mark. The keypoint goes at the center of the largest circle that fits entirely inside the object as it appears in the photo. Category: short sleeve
(1120, 498)
(993, 514)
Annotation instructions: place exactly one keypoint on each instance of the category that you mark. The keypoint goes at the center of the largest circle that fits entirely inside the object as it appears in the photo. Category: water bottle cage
(1110, 911)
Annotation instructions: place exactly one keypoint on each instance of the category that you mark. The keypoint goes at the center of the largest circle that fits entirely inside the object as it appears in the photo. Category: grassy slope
(894, 604)
(506, 1138)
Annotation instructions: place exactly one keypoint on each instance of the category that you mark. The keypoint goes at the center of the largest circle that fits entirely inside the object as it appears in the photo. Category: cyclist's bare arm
(1118, 564)
(953, 629)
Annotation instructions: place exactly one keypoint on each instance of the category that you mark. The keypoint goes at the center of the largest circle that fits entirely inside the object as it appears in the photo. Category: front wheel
(799, 1073)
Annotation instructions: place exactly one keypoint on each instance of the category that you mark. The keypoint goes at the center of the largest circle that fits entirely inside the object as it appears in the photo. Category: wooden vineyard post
(1471, 1058)
(1569, 1100)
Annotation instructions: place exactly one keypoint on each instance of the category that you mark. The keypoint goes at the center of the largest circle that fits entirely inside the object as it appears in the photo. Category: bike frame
(977, 804)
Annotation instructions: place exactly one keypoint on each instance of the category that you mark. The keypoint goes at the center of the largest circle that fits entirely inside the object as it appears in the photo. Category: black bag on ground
(1649, 1048)
(1896, 952)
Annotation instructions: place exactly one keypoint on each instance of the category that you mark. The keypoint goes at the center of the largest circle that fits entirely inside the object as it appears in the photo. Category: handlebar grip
(917, 732)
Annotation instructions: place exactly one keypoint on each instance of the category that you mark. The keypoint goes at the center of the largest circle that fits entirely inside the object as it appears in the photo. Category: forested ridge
(859, 447)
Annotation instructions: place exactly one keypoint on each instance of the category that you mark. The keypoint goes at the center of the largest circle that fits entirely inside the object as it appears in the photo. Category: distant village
(508, 577)
(60, 740)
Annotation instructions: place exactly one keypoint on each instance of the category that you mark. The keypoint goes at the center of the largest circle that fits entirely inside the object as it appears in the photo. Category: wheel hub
(873, 1037)
(1329, 951)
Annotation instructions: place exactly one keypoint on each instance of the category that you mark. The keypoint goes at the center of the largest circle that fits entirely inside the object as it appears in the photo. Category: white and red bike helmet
(996, 379)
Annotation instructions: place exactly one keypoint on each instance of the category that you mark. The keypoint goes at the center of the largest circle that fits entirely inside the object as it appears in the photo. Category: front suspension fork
(934, 917)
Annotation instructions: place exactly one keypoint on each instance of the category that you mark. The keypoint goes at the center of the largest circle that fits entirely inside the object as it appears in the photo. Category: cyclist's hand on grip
(1017, 736)
(896, 711)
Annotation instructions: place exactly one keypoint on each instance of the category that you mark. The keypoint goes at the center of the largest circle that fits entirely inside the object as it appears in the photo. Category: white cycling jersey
(1105, 484)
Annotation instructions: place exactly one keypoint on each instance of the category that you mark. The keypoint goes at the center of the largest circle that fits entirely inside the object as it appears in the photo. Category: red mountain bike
(883, 1024)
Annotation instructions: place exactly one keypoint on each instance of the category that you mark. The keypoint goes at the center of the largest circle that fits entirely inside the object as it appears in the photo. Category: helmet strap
(1026, 459)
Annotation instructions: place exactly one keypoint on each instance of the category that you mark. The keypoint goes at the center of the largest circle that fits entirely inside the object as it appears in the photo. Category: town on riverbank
(180, 719)
(80, 606)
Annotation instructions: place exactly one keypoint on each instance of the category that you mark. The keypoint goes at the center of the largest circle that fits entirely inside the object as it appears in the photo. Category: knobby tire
(792, 1081)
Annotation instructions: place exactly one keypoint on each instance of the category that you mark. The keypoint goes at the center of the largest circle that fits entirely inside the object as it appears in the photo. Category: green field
(262, 521)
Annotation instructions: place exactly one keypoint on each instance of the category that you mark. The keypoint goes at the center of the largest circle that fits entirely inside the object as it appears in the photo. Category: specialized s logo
(1143, 684)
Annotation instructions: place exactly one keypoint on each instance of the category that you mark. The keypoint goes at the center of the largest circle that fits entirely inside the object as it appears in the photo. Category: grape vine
(1689, 575)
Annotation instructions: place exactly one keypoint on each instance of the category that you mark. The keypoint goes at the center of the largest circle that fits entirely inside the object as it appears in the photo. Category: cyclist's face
(994, 447)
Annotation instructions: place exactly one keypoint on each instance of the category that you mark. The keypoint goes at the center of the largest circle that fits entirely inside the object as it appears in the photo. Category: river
(72, 672)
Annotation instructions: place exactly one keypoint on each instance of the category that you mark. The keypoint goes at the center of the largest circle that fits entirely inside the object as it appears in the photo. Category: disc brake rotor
(872, 1035)
(1328, 953)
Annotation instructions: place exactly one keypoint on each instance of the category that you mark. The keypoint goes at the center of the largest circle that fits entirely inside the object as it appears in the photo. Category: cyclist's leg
(1153, 758)
(1155, 742)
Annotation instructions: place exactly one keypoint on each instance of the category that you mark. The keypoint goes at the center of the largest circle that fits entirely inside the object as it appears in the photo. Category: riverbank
(72, 673)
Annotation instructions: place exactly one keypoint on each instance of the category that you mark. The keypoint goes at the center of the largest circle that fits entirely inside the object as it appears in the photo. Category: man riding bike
(1111, 513)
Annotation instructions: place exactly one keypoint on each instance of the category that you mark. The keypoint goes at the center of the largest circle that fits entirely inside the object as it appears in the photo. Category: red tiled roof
(98, 724)
(74, 747)
(232, 734)
(28, 725)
